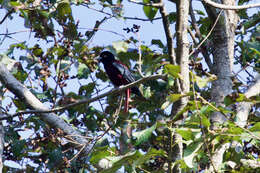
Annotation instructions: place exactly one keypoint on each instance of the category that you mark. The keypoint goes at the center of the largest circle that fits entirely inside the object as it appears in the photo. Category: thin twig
(211, 30)
(86, 101)
(140, 56)
(203, 131)
(17, 32)
(125, 17)
(97, 91)
(158, 5)
(6, 15)
(106, 30)
(231, 7)
(145, 20)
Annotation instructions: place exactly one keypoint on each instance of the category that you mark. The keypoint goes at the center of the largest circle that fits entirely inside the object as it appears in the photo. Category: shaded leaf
(190, 152)
(158, 43)
(83, 71)
(98, 154)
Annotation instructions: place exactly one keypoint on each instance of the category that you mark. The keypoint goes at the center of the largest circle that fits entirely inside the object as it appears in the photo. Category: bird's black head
(106, 57)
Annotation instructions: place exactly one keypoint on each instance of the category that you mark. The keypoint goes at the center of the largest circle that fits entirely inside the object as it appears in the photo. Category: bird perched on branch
(119, 74)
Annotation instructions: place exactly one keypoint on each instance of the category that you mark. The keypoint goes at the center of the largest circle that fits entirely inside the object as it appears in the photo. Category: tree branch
(6, 15)
(168, 34)
(159, 4)
(51, 119)
(86, 101)
(243, 108)
(199, 36)
(182, 54)
(231, 7)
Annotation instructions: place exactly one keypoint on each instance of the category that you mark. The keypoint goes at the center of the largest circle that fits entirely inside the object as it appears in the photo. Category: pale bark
(51, 119)
(223, 55)
(182, 59)
(243, 108)
(1, 138)
(223, 39)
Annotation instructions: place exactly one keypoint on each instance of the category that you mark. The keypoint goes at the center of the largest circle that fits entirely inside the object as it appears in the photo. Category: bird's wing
(124, 71)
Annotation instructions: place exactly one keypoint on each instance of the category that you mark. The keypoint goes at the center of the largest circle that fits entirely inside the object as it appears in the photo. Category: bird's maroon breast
(115, 76)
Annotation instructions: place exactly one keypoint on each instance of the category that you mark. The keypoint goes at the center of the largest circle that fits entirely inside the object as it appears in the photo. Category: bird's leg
(127, 96)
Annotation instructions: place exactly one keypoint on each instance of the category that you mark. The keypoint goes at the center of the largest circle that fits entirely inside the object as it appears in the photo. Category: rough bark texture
(182, 58)
(182, 53)
(51, 119)
(223, 38)
(1, 138)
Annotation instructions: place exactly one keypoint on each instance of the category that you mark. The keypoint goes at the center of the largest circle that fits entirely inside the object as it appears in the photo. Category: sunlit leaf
(120, 46)
(174, 97)
(256, 127)
(165, 105)
(173, 70)
(98, 154)
(205, 121)
(143, 136)
(149, 11)
(186, 134)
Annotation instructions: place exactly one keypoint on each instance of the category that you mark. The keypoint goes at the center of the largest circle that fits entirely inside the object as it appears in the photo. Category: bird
(119, 74)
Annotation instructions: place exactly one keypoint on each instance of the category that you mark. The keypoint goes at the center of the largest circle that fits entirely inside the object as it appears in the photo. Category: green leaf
(201, 82)
(190, 152)
(120, 46)
(173, 70)
(241, 97)
(228, 100)
(144, 135)
(83, 71)
(15, 3)
(86, 90)
(18, 146)
(55, 157)
(205, 121)
(63, 10)
(119, 161)
(256, 127)
(186, 134)
(158, 43)
(233, 129)
(172, 17)
(19, 104)
(150, 154)
(174, 97)
(98, 154)
(165, 105)
(149, 11)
